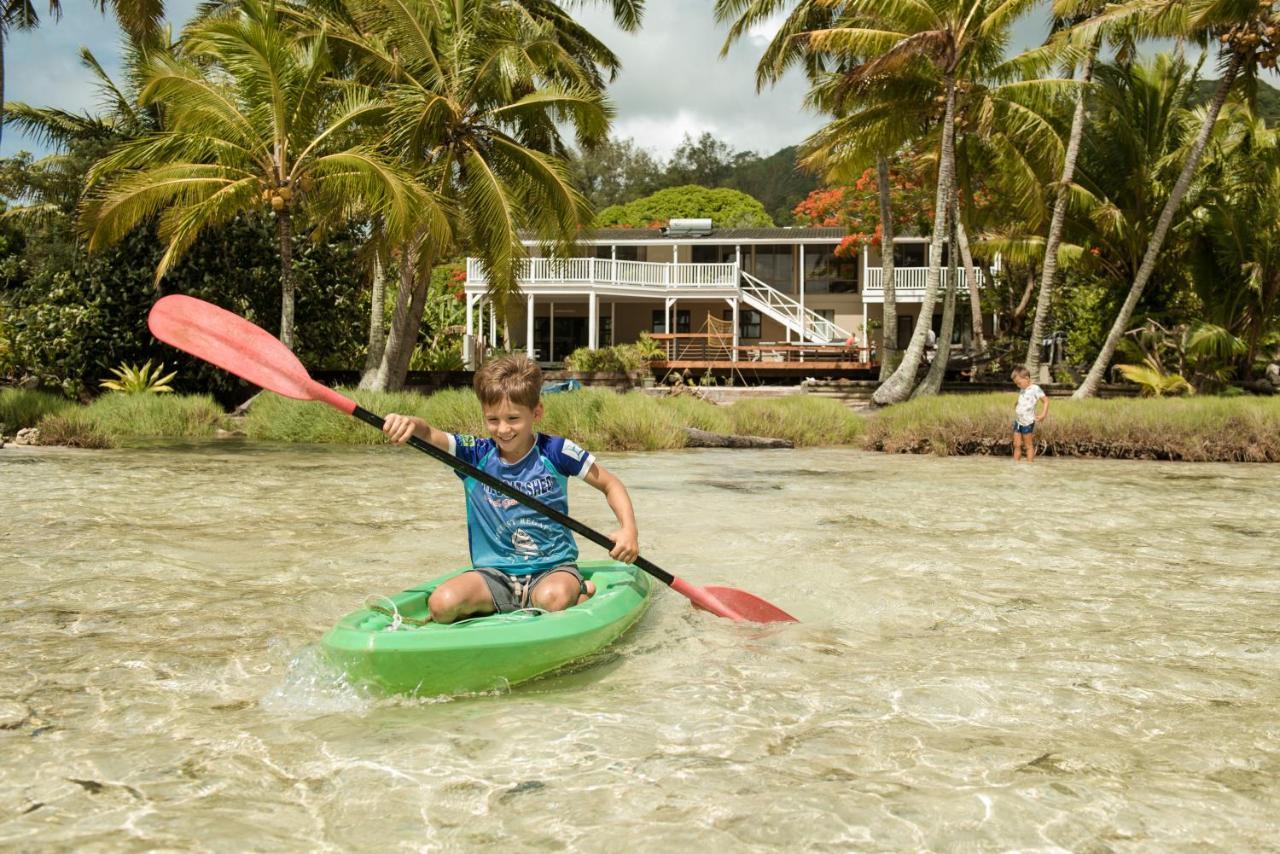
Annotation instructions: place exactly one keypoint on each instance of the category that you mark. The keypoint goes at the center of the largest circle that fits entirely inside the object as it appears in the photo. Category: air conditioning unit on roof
(688, 228)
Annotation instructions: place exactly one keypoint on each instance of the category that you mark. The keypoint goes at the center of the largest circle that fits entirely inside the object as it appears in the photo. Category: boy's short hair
(1019, 371)
(514, 378)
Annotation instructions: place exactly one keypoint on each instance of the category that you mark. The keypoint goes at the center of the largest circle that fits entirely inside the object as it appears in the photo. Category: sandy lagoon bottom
(1081, 655)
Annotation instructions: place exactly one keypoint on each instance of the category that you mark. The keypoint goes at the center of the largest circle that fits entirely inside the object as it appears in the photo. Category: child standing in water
(1025, 417)
(521, 559)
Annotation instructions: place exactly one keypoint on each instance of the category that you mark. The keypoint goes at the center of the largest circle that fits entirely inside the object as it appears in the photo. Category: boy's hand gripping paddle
(251, 353)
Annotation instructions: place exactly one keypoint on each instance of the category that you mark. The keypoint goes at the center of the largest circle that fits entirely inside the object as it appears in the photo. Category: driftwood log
(702, 439)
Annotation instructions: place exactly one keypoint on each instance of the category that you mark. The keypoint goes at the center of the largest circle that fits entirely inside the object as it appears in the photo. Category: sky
(672, 82)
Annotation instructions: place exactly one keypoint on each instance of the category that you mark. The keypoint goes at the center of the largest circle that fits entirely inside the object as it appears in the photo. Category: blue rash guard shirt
(502, 532)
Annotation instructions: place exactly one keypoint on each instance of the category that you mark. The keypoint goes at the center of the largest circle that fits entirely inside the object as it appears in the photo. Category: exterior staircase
(808, 324)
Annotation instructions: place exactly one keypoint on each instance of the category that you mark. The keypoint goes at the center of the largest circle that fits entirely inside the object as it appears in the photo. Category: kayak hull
(486, 653)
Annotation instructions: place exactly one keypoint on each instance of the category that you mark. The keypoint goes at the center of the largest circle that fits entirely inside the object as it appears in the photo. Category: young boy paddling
(522, 559)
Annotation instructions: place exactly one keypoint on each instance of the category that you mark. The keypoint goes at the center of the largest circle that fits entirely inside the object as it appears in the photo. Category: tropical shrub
(140, 380)
(622, 357)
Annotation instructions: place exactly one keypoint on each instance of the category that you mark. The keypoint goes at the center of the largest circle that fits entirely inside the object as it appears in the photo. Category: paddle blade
(749, 607)
(731, 604)
(237, 346)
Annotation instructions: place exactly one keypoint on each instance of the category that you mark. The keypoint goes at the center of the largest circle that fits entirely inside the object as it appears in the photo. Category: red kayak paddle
(253, 354)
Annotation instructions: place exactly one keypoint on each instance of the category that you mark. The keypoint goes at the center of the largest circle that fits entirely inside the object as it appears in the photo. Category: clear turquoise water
(1078, 655)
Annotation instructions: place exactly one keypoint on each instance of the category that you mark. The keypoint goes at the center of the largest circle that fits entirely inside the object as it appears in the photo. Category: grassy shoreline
(1194, 429)
(597, 418)
(1239, 429)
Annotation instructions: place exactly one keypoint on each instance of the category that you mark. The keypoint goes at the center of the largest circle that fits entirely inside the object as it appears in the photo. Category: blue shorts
(1024, 429)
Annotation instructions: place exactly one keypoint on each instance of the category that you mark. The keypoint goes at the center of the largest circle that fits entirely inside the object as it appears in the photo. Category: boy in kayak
(521, 558)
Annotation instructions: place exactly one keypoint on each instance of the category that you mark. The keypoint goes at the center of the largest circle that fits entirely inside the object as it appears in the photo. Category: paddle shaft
(510, 491)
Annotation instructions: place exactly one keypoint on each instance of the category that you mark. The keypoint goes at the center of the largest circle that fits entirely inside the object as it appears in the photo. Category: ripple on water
(990, 657)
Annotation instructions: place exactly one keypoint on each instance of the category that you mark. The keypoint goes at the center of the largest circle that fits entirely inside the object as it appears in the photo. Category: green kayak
(484, 653)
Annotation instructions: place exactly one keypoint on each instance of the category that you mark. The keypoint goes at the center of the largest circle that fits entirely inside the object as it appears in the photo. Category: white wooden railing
(909, 283)
(799, 319)
(640, 275)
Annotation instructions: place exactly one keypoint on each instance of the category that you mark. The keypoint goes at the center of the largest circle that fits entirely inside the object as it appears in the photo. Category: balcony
(909, 283)
(619, 278)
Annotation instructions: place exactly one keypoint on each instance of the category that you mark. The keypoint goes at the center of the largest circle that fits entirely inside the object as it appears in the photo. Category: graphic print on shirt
(505, 534)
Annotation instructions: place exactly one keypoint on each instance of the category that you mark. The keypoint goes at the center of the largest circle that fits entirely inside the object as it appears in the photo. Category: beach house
(771, 301)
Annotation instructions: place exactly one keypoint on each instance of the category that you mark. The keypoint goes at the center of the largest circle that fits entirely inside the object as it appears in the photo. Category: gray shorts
(513, 592)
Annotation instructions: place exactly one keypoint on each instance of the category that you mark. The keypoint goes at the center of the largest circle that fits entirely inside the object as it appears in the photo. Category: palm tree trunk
(1089, 387)
(377, 313)
(978, 342)
(406, 321)
(1021, 308)
(901, 381)
(889, 331)
(4, 34)
(284, 233)
(932, 382)
(1056, 223)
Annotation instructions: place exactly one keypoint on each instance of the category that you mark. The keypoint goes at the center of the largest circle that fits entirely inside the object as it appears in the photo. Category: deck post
(735, 328)
(593, 321)
(613, 262)
(528, 329)
(551, 337)
(493, 325)
(471, 325)
(804, 317)
(613, 322)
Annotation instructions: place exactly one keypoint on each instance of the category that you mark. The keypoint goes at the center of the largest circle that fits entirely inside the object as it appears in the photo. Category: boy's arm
(626, 540)
(1043, 415)
(400, 427)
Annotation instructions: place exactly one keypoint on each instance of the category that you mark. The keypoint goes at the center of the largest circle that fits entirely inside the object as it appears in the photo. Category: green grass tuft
(20, 407)
(805, 420)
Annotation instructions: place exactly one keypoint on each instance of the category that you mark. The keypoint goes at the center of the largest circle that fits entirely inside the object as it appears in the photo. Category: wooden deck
(700, 351)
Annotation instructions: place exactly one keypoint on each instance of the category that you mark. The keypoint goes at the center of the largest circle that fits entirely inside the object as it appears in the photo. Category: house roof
(631, 236)
(717, 236)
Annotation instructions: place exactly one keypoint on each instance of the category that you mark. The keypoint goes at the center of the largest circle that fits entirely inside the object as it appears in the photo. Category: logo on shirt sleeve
(572, 450)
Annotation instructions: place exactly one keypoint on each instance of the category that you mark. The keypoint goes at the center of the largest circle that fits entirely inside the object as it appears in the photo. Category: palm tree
(1069, 13)
(1249, 35)
(1235, 258)
(140, 20)
(251, 124)
(1142, 118)
(789, 47)
(906, 43)
(474, 94)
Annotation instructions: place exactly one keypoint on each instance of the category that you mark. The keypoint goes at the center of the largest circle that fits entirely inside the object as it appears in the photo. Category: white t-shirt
(1025, 410)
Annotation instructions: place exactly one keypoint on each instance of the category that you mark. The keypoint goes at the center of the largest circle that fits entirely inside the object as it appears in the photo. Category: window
(604, 335)
(824, 273)
(773, 266)
(625, 253)
(917, 255)
(827, 314)
(703, 254)
(911, 255)
(684, 321)
(748, 322)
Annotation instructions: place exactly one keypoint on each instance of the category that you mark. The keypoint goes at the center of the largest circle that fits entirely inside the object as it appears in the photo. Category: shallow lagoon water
(1077, 655)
